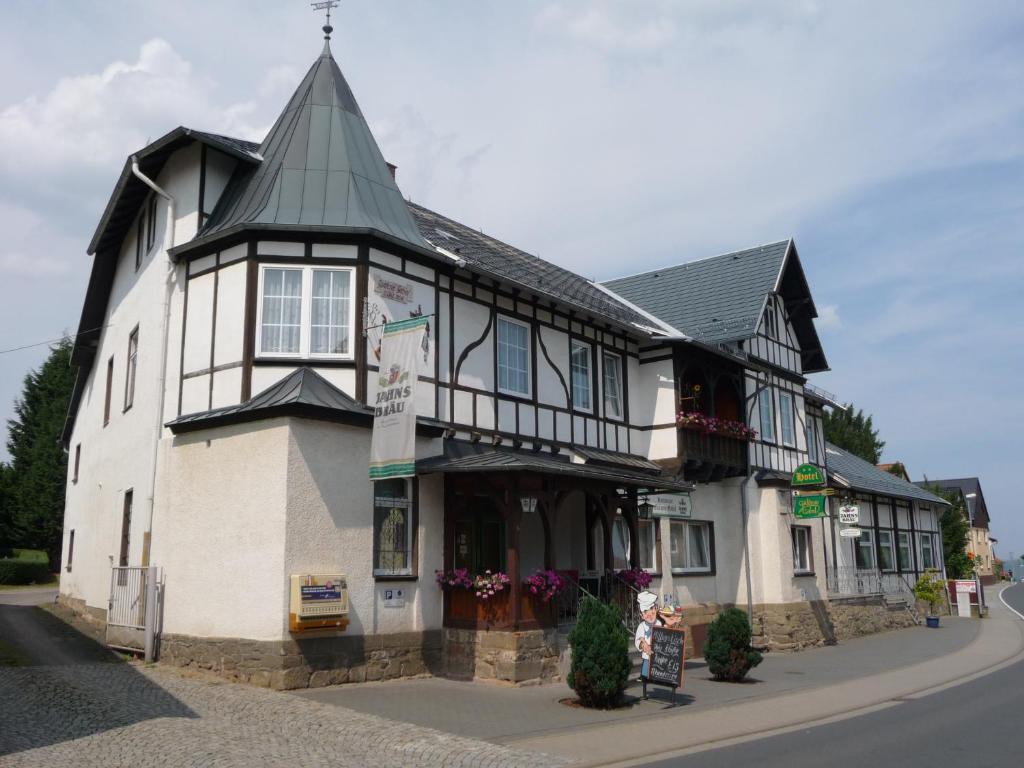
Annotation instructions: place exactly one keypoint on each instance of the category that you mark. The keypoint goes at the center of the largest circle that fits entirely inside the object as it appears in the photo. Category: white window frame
(306, 314)
(882, 546)
(922, 537)
(766, 397)
(787, 397)
(575, 345)
(620, 400)
(674, 554)
(904, 536)
(802, 566)
(529, 372)
(811, 428)
(870, 535)
(410, 539)
(649, 529)
(771, 321)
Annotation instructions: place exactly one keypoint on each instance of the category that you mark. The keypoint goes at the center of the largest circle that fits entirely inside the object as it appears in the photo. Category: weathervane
(326, 5)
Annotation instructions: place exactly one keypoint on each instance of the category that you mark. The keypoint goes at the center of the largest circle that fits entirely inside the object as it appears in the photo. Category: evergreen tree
(6, 511)
(38, 467)
(956, 530)
(853, 432)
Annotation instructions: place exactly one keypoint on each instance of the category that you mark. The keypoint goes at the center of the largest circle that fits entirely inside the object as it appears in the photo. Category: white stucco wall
(330, 527)
(219, 531)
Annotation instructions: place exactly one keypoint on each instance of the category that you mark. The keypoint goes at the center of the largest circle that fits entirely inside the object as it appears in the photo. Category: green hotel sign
(807, 474)
(809, 506)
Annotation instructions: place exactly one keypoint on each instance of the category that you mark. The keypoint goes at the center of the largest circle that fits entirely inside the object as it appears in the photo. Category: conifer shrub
(727, 649)
(600, 655)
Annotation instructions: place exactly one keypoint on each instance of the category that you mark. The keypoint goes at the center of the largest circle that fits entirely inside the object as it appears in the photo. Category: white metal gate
(132, 610)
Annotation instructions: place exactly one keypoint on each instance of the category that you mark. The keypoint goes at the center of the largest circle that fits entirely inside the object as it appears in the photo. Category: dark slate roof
(965, 486)
(615, 458)
(864, 476)
(721, 299)
(462, 457)
(718, 299)
(303, 393)
(492, 257)
(321, 167)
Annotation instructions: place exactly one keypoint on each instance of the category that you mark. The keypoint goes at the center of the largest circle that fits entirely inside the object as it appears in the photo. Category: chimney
(392, 167)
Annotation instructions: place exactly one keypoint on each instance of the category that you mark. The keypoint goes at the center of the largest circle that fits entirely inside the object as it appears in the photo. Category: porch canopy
(517, 511)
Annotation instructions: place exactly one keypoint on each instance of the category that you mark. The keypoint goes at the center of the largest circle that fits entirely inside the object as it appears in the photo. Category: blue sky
(610, 137)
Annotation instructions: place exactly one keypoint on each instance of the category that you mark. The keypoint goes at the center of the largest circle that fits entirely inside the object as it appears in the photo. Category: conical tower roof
(321, 167)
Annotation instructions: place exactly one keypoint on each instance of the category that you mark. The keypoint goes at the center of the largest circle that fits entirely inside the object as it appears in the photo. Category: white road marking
(1011, 586)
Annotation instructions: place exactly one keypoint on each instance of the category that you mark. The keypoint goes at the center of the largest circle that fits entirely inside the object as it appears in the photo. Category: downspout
(745, 507)
(166, 310)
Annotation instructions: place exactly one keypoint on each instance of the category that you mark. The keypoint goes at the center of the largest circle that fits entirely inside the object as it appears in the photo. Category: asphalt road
(42, 639)
(965, 726)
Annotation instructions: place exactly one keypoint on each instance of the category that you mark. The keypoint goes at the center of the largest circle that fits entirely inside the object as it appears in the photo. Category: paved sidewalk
(506, 715)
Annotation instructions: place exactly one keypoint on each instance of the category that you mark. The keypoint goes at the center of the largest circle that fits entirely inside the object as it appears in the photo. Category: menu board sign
(668, 656)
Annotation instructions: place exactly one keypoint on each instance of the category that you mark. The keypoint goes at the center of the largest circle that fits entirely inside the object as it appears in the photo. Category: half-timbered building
(228, 353)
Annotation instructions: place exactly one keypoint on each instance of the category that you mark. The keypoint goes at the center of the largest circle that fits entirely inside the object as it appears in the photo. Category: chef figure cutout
(648, 602)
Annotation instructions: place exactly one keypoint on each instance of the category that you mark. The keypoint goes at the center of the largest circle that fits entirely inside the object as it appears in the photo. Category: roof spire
(326, 5)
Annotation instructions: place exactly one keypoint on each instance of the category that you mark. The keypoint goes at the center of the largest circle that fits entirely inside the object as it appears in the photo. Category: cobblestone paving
(113, 715)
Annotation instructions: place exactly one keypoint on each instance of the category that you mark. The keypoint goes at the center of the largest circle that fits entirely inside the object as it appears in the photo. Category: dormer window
(306, 312)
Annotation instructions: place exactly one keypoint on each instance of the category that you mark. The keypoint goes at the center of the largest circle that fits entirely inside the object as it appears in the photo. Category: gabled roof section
(965, 486)
(129, 192)
(321, 167)
(721, 299)
(490, 256)
(715, 300)
(864, 476)
(303, 392)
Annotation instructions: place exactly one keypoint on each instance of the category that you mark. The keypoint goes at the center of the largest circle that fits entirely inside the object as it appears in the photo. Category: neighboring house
(900, 533)
(897, 468)
(979, 541)
(228, 347)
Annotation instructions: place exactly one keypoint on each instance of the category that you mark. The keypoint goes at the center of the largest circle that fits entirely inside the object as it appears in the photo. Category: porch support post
(513, 518)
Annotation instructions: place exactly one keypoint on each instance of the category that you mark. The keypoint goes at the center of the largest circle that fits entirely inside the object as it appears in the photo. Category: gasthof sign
(808, 506)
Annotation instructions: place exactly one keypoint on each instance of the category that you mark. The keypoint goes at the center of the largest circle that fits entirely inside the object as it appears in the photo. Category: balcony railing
(715, 455)
(849, 581)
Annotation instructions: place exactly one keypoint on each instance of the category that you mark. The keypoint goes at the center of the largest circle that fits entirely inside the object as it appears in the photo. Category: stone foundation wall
(794, 626)
(523, 658)
(308, 662)
(95, 616)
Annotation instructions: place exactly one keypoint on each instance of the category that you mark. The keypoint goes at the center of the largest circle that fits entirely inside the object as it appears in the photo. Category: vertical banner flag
(393, 445)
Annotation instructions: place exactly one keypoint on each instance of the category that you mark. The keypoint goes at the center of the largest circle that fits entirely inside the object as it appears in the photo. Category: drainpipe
(745, 506)
(166, 311)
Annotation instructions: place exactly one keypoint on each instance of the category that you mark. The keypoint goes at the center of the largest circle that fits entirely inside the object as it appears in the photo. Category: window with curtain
(281, 316)
(787, 419)
(903, 551)
(690, 546)
(928, 559)
(647, 531)
(864, 550)
(766, 406)
(513, 357)
(581, 379)
(393, 528)
(612, 366)
(329, 325)
(620, 543)
(812, 440)
(885, 551)
(802, 562)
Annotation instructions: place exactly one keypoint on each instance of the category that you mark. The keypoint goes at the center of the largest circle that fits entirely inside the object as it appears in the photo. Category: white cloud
(828, 317)
(94, 120)
(17, 264)
(608, 27)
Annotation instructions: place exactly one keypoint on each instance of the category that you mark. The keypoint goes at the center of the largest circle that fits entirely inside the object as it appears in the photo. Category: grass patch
(32, 555)
(53, 582)
(10, 656)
